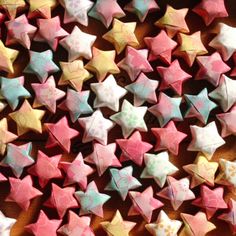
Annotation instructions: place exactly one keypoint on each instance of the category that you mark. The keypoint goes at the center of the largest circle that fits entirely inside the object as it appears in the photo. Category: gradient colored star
(6, 224)
(12, 7)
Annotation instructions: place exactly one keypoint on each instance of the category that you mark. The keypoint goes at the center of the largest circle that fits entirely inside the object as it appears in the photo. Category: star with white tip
(6, 224)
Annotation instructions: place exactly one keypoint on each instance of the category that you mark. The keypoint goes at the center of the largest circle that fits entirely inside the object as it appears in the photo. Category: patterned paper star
(6, 224)
(46, 168)
(130, 118)
(173, 77)
(18, 157)
(103, 156)
(105, 11)
(78, 44)
(96, 127)
(91, 201)
(177, 192)
(60, 134)
(168, 138)
(41, 64)
(160, 161)
(27, 119)
(160, 46)
(74, 176)
(108, 64)
(47, 94)
(22, 191)
(167, 109)
(135, 62)
(108, 93)
(12, 7)
(118, 226)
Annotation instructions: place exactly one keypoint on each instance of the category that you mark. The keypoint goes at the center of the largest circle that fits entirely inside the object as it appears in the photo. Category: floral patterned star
(6, 224)
(12, 7)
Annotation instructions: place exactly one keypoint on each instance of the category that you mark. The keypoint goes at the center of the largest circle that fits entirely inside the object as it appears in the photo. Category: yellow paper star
(7, 57)
(11, 6)
(102, 63)
(121, 35)
(27, 118)
(74, 73)
(118, 227)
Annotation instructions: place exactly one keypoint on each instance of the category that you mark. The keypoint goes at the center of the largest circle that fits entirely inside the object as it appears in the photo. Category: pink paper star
(2, 178)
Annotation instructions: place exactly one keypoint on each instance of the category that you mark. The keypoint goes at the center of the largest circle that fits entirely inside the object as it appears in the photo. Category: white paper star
(6, 224)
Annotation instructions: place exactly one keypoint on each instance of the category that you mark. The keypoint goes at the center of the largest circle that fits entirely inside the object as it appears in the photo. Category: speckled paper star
(78, 44)
(91, 201)
(46, 168)
(205, 139)
(22, 191)
(12, 6)
(122, 181)
(41, 64)
(96, 127)
(6, 224)
(177, 192)
(74, 176)
(105, 11)
(108, 64)
(130, 118)
(60, 134)
(167, 109)
(135, 62)
(103, 156)
(108, 93)
(161, 162)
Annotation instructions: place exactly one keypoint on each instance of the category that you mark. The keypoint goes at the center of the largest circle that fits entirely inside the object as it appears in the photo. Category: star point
(6, 224)
(12, 7)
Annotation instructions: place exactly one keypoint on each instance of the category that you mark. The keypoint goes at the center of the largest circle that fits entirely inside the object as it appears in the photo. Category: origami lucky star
(190, 47)
(74, 74)
(74, 176)
(2, 178)
(211, 200)
(202, 171)
(164, 226)
(160, 162)
(224, 94)
(6, 224)
(122, 181)
(135, 62)
(11, 7)
(173, 21)
(118, 226)
(168, 138)
(133, 148)
(121, 35)
(141, 8)
(103, 156)
(22, 191)
(224, 41)
(44, 226)
(47, 94)
(177, 192)
(167, 109)
(233, 72)
(20, 31)
(91, 201)
(17, 158)
(211, 68)
(160, 46)
(199, 106)
(227, 121)
(108, 93)
(205, 139)
(173, 77)
(144, 203)
(76, 226)
(27, 119)
(46, 168)
(76, 11)
(107, 66)
(144, 89)
(96, 127)
(196, 225)
(60, 134)
(61, 199)
(76, 103)
(78, 44)
(12, 89)
(51, 36)
(130, 118)
(105, 11)
(41, 64)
